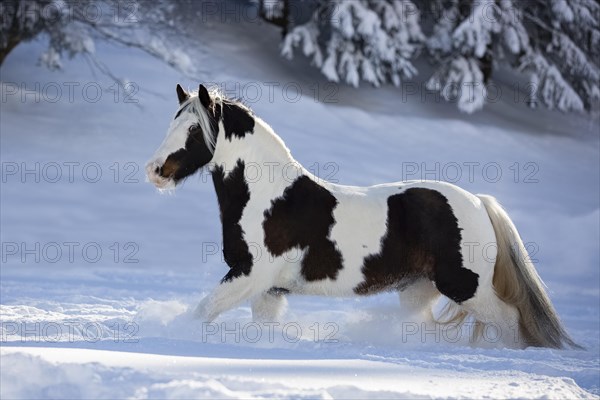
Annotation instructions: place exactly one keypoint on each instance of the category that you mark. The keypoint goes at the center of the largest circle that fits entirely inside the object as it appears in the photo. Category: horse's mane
(204, 120)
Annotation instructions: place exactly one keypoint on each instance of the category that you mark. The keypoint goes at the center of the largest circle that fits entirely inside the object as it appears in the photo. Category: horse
(327, 239)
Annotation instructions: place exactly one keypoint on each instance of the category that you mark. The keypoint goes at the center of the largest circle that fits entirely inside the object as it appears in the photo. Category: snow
(119, 325)
(76, 373)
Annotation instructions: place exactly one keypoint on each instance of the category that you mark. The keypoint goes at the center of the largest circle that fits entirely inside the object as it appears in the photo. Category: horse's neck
(260, 158)
(261, 149)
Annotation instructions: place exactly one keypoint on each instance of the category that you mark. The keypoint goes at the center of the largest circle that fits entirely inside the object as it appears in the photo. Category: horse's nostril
(157, 170)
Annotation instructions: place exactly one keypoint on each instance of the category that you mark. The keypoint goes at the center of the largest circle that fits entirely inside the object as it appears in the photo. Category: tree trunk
(486, 65)
(283, 21)
(13, 35)
(12, 42)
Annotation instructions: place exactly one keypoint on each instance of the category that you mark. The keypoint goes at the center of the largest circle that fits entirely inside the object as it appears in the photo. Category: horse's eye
(193, 128)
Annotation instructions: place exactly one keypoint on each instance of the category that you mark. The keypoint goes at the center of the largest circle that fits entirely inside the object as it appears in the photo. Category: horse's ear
(182, 96)
(204, 96)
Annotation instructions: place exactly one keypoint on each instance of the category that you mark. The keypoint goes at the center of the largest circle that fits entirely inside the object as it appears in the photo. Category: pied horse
(319, 238)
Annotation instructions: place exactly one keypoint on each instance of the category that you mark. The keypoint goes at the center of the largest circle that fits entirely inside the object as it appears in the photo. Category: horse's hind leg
(496, 323)
(499, 322)
(269, 306)
(417, 298)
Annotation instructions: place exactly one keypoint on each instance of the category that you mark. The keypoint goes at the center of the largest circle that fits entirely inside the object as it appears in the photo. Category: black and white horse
(406, 236)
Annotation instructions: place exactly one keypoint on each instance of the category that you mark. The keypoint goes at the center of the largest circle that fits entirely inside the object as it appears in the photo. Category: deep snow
(50, 308)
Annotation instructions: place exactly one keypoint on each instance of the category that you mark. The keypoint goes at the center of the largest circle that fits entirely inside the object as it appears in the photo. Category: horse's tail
(517, 283)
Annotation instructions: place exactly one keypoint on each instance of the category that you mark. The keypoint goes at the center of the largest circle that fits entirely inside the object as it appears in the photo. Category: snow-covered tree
(369, 40)
(564, 56)
(550, 40)
(555, 44)
(71, 27)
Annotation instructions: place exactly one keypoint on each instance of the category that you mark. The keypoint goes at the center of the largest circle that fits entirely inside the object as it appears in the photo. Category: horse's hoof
(204, 311)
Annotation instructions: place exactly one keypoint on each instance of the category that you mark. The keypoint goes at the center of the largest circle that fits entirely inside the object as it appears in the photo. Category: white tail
(517, 283)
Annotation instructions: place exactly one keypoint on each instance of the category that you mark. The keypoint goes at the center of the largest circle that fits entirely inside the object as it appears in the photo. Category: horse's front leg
(235, 288)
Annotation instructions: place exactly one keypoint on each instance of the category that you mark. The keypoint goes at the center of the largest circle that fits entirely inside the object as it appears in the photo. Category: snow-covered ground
(100, 272)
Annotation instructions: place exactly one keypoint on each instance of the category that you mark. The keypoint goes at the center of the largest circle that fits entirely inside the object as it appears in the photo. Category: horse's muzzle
(155, 174)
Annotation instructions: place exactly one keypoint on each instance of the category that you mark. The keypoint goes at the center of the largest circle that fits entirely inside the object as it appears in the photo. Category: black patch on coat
(237, 120)
(184, 162)
(233, 195)
(302, 218)
(422, 241)
(196, 153)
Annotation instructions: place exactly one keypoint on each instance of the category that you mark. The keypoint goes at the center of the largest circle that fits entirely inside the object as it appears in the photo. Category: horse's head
(190, 141)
